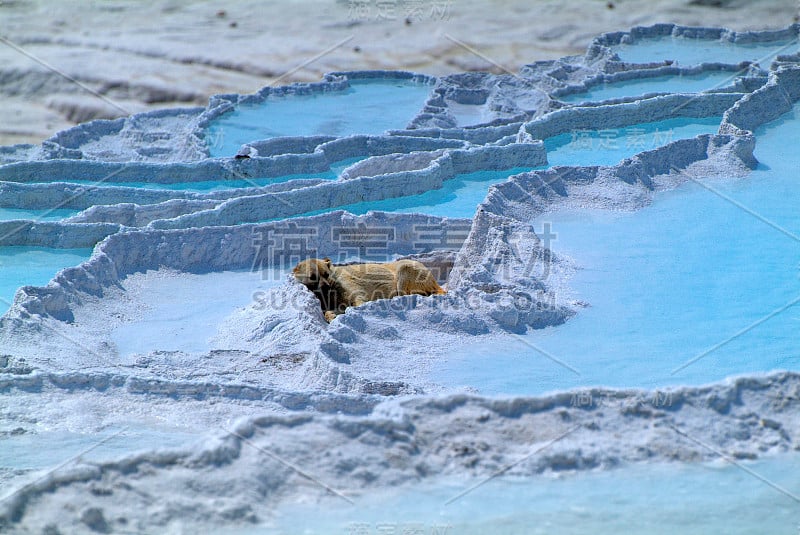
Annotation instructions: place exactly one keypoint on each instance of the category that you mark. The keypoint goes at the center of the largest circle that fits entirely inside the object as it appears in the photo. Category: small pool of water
(459, 197)
(691, 83)
(33, 266)
(610, 146)
(183, 311)
(470, 114)
(677, 289)
(11, 214)
(367, 107)
(655, 499)
(26, 458)
(218, 185)
(49, 448)
(222, 185)
(687, 51)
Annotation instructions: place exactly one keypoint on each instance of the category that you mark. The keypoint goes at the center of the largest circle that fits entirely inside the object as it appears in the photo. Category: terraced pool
(34, 266)
(457, 198)
(48, 448)
(701, 285)
(657, 499)
(608, 147)
(184, 311)
(685, 51)
(207, 186)
(11, 214)
(367, 107)
(689, 83)
(460, 195)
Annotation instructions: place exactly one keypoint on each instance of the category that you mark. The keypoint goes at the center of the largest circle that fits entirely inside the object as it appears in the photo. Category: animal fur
(339, 287)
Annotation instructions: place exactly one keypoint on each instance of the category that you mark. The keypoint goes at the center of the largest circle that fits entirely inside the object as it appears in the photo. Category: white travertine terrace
(357, 388)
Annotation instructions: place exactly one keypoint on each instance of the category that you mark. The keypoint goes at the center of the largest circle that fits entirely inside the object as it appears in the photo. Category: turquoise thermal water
(459, 197)
(221, 185)
(47, 449)
(692, 499)
(10, 214)
(33, 266)
(685, 51)
(367, 107)
(690, 83)
(677, 289)
(610, 146)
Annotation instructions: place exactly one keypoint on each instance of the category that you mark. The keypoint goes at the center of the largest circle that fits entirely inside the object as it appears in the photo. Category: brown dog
(339, 287)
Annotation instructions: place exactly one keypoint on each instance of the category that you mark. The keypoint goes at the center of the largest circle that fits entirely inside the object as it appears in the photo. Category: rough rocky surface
(350, 402)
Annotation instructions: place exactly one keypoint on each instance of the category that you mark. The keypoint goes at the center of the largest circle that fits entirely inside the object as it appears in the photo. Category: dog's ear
(325, 270)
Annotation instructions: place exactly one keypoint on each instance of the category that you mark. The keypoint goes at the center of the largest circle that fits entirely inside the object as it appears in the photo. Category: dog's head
(313, 272)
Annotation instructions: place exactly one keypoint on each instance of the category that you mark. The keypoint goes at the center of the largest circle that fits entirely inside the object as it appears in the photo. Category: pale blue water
(610, 146)
(692, 499)
(692, 83)
(48, 449)
(469, 114)
(221, 185)
(459, 197)
(184, 312)
(34, 266)
(10, 214)
(666, 284)
(367, 107)
(695, 51)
